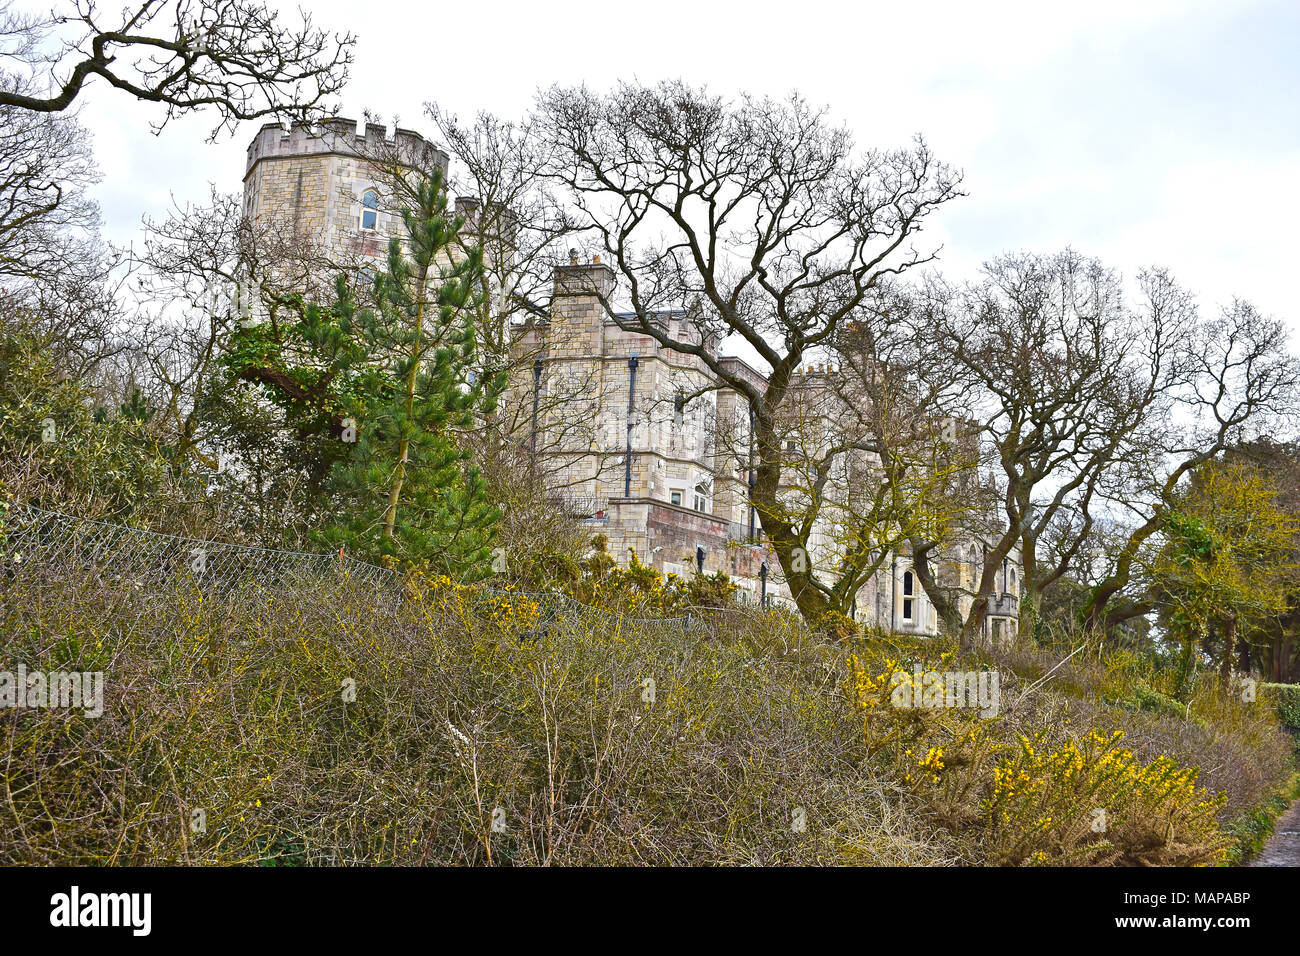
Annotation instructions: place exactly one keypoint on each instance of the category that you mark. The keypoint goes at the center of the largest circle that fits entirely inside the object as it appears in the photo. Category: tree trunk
(1229, 646)
(796, 565)
(1094, 612)
(987, 587)
(944, 604)
(1031, 612)
(404, 446)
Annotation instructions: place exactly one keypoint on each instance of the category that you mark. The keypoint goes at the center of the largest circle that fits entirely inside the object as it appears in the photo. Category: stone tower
(324, 184)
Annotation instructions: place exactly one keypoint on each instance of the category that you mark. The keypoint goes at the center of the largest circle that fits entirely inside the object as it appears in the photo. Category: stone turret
(324, 184)
(579, 306)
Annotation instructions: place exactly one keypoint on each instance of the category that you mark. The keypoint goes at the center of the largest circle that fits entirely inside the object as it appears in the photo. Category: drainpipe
(984, 625)
(893, 596)
(631, 410)
(751, 474)
(762, 577)
(537, 394)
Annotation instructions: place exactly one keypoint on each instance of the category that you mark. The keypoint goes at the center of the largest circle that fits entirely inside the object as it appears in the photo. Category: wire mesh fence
(46, 542)
(36, 542)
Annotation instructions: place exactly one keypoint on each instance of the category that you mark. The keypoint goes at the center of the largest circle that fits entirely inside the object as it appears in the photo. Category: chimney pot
(596, 259)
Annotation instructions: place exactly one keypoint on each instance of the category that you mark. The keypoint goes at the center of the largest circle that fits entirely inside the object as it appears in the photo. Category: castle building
(654, 479)
(661, 465)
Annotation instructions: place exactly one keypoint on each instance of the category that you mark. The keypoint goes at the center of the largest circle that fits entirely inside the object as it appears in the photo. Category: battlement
(340, 136)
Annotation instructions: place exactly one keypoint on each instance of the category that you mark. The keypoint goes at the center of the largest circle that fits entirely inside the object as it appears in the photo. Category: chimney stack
(582, 292)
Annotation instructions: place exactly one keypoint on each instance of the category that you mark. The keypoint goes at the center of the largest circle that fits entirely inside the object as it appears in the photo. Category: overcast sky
(1141, 131)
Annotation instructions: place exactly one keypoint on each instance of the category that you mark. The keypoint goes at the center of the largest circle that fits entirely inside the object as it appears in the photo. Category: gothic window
(370, 210)
(702, 490)
(909, 592)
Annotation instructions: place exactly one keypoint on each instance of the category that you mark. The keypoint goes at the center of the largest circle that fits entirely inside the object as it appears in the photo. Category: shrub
(1093, 801)
(593, 736)
(641, 590)
(1286, 700)
(593, 739)
(1017, 798)
(1238, 744)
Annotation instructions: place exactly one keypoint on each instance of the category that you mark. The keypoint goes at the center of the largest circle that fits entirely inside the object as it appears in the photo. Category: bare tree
(1238, 384)
(203, 273)
(1071, 380)
(758, 219)
(911, 402)
(513, 214)
(1094, 410)
(237, 57)
(526, 230)
(46, 217)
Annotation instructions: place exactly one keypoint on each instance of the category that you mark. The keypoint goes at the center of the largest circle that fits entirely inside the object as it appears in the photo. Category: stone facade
(673, 503)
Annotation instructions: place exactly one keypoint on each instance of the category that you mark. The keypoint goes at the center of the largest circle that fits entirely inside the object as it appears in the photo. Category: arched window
(370, 210)
(1012, 588)
(909, 592)
(703, 491)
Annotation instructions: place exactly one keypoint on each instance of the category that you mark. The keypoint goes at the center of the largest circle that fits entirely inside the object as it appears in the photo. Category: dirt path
(1283, 847)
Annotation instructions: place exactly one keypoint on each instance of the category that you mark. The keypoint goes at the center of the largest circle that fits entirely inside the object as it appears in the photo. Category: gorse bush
(1046, 781)
(1093, 801)
(638, 588)
(1236, 742)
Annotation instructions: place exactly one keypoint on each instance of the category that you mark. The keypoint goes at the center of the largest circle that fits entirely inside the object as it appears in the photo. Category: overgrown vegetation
(1286, 698)
(587, 738)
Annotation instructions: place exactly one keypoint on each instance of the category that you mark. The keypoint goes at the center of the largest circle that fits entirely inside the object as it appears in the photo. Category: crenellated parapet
(341, 136)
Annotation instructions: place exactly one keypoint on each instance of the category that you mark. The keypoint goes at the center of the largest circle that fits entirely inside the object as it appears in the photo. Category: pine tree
(409, 491)
(387, 389)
